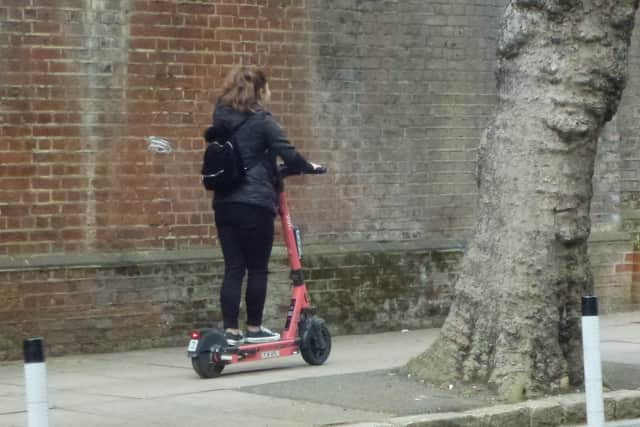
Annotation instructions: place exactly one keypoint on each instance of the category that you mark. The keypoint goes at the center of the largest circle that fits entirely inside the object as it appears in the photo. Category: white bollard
(592, 364)
(35, 375)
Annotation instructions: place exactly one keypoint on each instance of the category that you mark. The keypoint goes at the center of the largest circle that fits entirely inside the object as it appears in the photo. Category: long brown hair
(242, 88)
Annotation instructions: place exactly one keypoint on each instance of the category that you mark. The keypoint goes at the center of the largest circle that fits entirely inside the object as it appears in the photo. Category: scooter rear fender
(209, 339)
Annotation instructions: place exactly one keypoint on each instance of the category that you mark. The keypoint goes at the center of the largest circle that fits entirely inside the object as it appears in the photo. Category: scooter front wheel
(204, 367)
(316, 342)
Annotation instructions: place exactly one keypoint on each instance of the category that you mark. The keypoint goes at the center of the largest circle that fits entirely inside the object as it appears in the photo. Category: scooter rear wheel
(204, 367)
(316, 343)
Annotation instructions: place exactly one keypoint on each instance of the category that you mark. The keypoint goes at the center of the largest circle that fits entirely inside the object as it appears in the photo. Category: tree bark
(515, 321)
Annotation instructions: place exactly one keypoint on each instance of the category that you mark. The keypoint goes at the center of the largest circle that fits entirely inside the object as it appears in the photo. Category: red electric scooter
(304, 332)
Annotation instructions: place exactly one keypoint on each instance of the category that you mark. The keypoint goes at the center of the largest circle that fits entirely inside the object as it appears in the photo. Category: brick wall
(85, 82)
(400, 92)
(110, 303)
(615, 208)
(392, 95)
(392, 102)
(629, 130)
(634, 259)
(613, 279)
(629, 268)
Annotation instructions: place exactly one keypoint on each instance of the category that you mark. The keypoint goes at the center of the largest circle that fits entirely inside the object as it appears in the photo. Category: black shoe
(261, 336)
(234, 339)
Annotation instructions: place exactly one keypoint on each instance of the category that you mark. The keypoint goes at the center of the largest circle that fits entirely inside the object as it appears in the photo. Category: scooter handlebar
(318, 170)
(285, 171)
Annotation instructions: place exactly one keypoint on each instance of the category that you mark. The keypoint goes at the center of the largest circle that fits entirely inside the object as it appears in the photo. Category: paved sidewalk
(357, 385)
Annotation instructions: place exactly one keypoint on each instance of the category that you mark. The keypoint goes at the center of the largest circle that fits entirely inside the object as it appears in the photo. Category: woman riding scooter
(245, 216)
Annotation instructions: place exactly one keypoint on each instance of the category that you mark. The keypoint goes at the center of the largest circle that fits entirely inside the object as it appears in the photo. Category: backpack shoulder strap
(239, 125)
(263, 155)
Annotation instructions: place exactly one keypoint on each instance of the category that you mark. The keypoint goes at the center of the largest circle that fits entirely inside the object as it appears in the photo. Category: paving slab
(159, 387)
(621, 375)
(359, 385)
(385, 391)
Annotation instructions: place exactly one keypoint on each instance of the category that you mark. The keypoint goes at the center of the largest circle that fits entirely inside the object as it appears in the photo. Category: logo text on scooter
(270, 354)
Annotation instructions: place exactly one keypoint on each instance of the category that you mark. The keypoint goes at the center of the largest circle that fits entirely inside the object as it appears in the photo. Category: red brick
(15, 14)
(73, 234)
(45, 209)
(138, 43)
(187, 33)
(46, 53)
(73, 209)
(15, 184)
(17, 26)
(226, 10)
(71, 247)
(47, 13)
(160, 6)
(58, 196)
(75, 299)
(196, 21)
(228, 35)
(250, 35)
(43, 197)
(15, 157)
(43, 235)
(197, 8)
(273, 36)
(633, 258)
(14, 236)
(624, 268)
(149, 19)
(46, 27)
(163, 32)
(17, 171)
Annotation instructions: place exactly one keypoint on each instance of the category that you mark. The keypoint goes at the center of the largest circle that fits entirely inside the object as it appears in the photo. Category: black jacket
(260, 140)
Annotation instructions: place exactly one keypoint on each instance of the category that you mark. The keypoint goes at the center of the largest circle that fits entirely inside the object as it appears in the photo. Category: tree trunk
(515, 321)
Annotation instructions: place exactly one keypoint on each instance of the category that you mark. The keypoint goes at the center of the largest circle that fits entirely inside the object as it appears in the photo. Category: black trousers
(246, 237)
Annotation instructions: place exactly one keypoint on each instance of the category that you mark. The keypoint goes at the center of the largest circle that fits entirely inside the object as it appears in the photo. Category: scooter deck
(251, 352)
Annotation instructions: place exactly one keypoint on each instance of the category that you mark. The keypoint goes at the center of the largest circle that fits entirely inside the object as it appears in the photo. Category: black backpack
(222, 167)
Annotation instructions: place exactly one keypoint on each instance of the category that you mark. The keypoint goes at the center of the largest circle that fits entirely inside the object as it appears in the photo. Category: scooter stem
(289, 238)
(299, 296)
